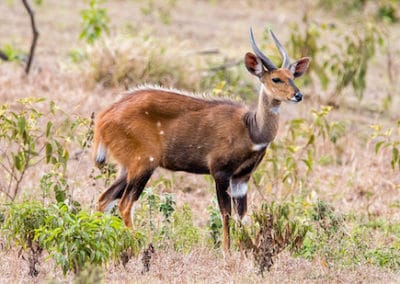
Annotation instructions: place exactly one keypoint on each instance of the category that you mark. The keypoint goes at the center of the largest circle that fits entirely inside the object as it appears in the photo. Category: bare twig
(6, 193)
(35, 35)
(226, 65)
(208, 51)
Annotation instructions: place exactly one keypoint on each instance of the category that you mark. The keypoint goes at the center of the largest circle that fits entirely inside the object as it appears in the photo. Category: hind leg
(131, 194)
(110, 197)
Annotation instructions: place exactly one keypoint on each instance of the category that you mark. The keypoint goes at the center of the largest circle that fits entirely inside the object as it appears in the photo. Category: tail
(100, 153)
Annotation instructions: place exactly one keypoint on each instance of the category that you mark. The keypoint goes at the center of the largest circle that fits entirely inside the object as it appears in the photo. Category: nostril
(298, 96)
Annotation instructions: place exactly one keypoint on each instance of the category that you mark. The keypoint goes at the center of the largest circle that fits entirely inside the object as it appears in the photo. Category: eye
(277, 80)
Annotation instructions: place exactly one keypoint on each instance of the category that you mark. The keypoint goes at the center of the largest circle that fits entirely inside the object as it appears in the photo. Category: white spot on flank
(161, 132)
(238, 189)
(158, 124)
(146, 112)
(110, 206)
(151, 159)
(139, 158)
(260, 146)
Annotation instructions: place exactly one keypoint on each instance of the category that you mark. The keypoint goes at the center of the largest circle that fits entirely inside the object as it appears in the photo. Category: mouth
(295, 100)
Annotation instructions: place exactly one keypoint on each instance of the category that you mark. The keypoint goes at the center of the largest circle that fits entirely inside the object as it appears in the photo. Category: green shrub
(25, 143)
(20, 223)
(75, 240)
(340, 64)
(388, 139)
(339, 241)
(228, 81)
(290, 161)
(274, 228)
(163, 224)
(184, 234)
(78, 240)
(94, 21)
(214, 224)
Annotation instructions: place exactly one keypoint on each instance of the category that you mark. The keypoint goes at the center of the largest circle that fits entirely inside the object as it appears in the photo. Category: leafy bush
(25, 143)
(77, 240)
(74, 240)
(184, 234)
(275, 227)
(338, 240)
(388, 139)
(214, 224)
(228, 81)
(12, 53)
(291, 160)
(388, 11)
(172, 228)
(20, 223)
(94, 21)
(340, 64)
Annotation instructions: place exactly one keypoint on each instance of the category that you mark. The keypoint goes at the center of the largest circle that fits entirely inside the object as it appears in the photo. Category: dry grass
(141, 59)
(363, 183)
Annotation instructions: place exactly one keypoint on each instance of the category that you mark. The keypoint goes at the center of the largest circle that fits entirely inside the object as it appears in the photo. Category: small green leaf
(18, 162)
(21, 125)
(48, 128)
(49, 151)
(378, 145)
(395, 157)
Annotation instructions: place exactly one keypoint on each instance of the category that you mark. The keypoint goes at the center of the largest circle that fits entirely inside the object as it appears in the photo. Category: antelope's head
(277, 82)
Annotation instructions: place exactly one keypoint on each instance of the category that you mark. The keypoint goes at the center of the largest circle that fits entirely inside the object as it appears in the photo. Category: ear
(254, 64)
(299, 67)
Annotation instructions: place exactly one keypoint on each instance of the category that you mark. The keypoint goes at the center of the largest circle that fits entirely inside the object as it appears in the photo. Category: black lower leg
(225, 205)
(240, 204)
(112, 193)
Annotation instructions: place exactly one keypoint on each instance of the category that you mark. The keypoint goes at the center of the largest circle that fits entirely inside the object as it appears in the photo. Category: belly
(181, 159)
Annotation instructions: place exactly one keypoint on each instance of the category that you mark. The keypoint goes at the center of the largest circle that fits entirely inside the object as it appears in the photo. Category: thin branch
(35, 35)
(6, 193)
(226, 65)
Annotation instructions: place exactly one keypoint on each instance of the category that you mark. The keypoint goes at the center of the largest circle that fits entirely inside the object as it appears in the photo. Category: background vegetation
(323, 205)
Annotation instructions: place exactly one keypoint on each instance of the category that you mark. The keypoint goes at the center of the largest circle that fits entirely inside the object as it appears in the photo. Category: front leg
(239, 187)
(224, 202)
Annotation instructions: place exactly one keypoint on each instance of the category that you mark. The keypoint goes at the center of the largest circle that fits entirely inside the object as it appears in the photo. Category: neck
(263, 122)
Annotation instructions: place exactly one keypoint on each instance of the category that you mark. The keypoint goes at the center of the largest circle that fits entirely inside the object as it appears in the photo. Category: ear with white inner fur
(299, 67)
(254, 64)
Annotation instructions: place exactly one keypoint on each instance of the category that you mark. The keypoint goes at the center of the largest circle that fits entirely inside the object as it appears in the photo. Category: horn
(264, 59)
(282, 51)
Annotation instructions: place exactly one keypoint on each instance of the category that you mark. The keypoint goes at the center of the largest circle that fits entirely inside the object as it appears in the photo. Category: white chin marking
(238, 189)
(260, 146)
(275, 110)
(110, 206)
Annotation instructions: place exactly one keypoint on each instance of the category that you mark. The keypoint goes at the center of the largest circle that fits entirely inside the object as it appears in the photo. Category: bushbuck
(154, 127)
